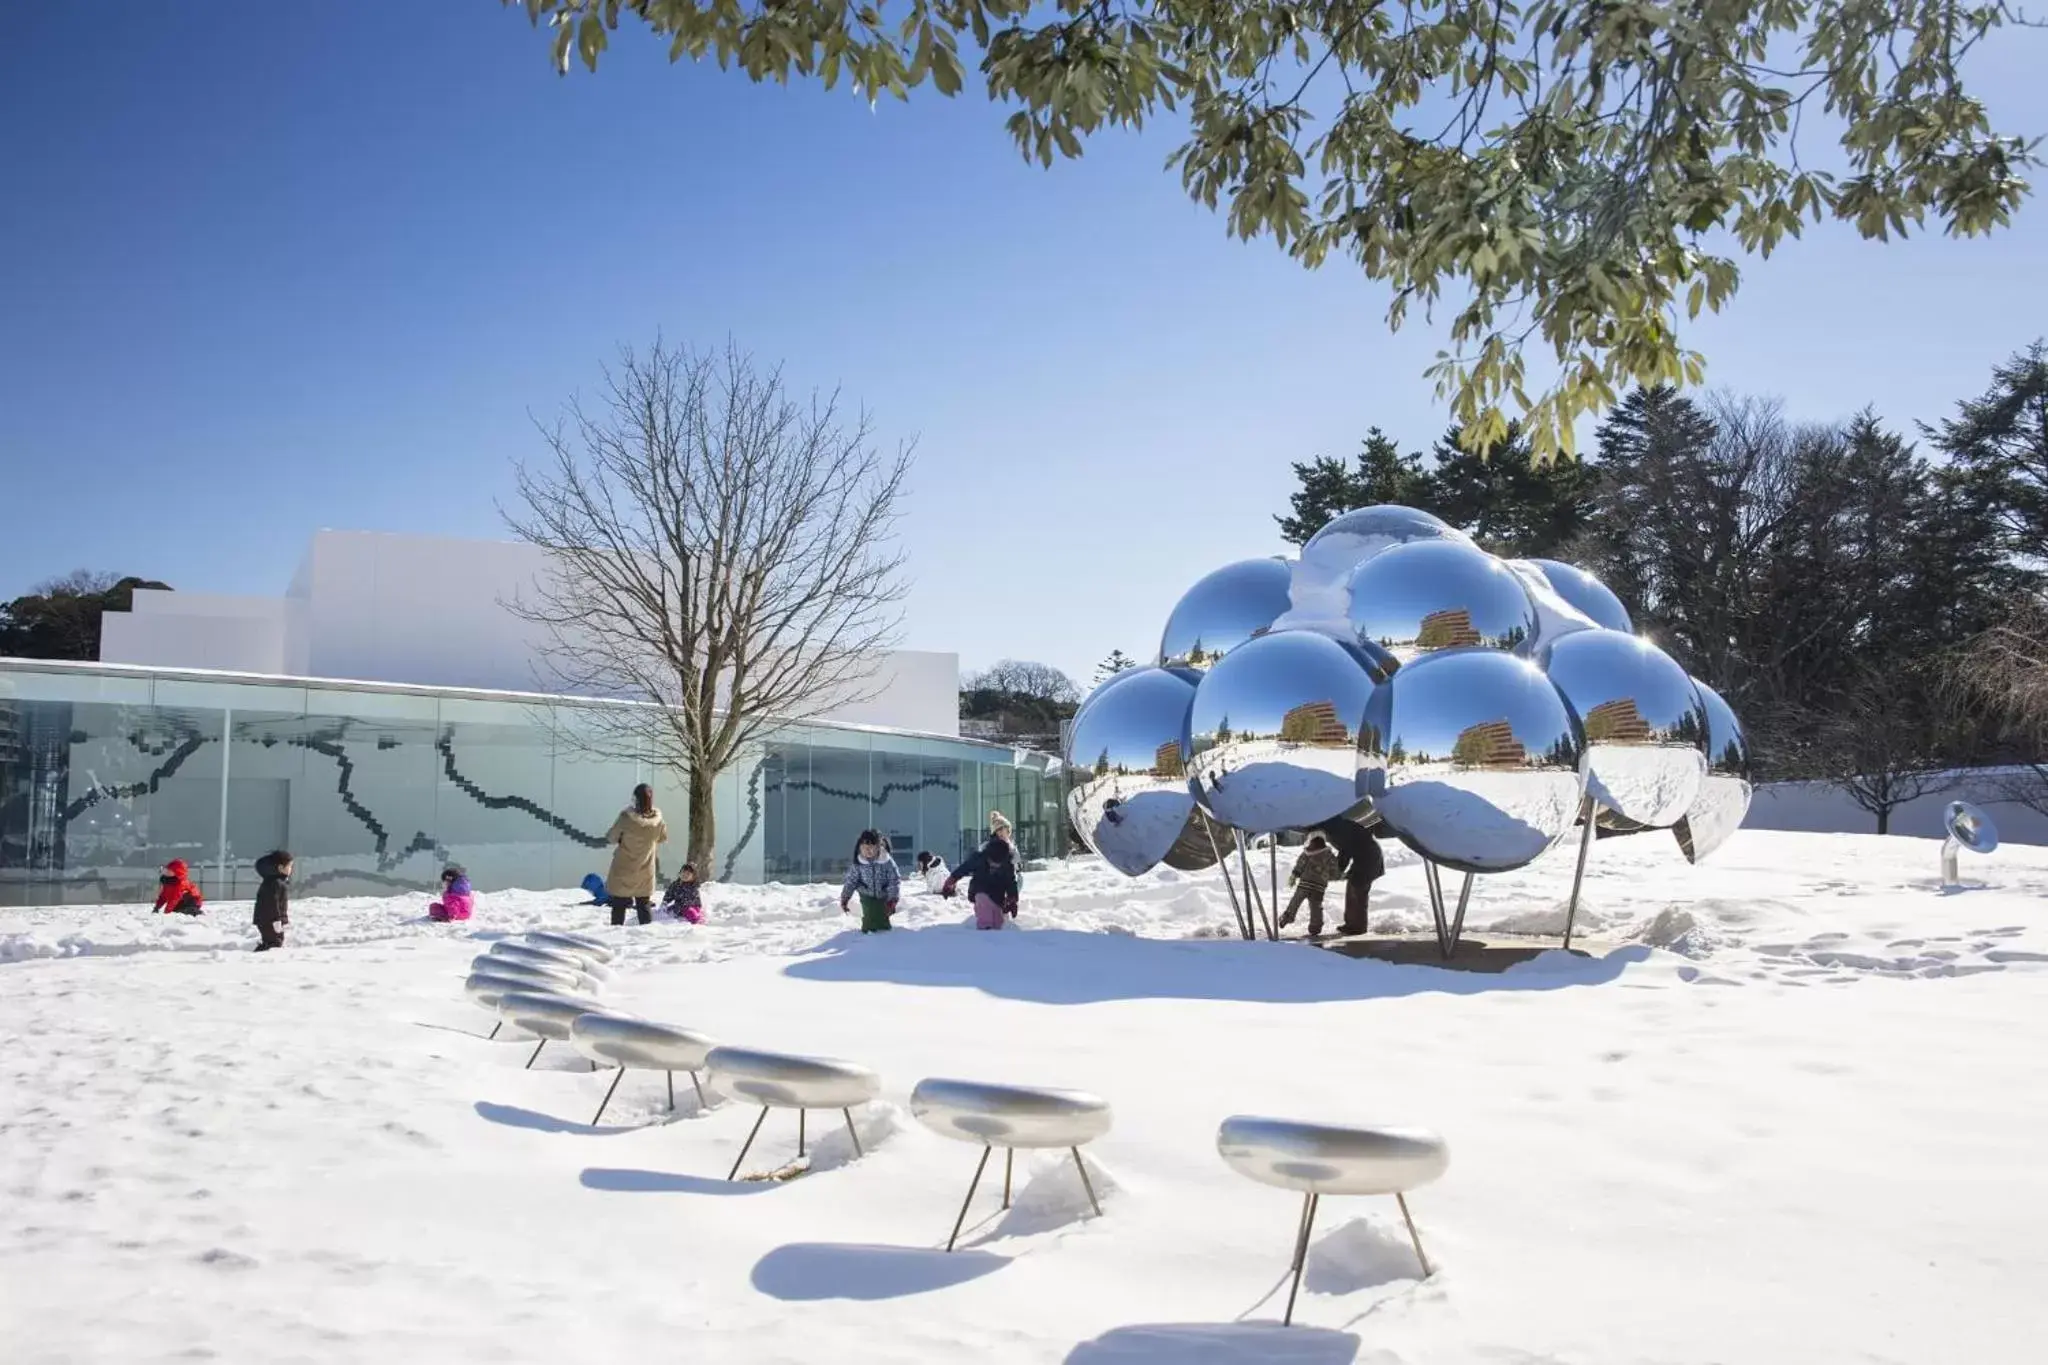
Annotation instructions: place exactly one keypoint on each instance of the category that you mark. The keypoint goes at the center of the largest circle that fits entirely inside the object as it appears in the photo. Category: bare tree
(1889, 742)
(2004, 672)
(1024, 678)
(717, 547)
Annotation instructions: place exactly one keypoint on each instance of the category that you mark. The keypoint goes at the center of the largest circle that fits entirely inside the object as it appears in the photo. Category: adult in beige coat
(638, 834)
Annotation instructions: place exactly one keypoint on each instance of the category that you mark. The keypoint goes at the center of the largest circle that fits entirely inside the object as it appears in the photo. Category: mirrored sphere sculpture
(1718, 810)
(1587, 593)
(1644, 722)
(1272, 739)
(1471, 757)
(1347, 541)
(1223, 610)
(1130, 800)
(1438, 594)
(1968, 827)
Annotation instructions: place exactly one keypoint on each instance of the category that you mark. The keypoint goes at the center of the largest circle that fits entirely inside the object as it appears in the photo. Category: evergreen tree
(60, 619)
(1505, 500)
(1378, 473)
(2001, 441)
(1117, 662)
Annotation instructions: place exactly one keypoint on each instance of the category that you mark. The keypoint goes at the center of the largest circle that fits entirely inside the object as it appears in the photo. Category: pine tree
(1117, 662)
(1507, 502)
(1378, 473)
(2001, 441)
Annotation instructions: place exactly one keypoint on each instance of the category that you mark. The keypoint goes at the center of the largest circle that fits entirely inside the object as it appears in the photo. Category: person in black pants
(273, 898)
(1360, 863)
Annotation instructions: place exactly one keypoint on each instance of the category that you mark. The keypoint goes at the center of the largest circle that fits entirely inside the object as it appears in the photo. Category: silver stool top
(1320, 1158)
(543, 1015)
(589, 947)
(1009, 1115)
(544, 976)
(784, 1081)
(550, 957)
(640, 1043)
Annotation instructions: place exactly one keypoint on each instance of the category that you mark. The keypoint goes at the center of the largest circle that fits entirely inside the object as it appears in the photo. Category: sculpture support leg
(748, 1145)
(1458, 923)
(1273, 878)
(1308, 1222)
(1413, 1236)
(1244, 927)
(1950, 873)
(1086, 1183)
(800, 1134)
(607, 1097)
(536, 1055)
(494, 1030)
(852, 1132)
(671, 1092)
(1433, 883)
(1009, 1164)
(699, 1087)
(1251, 887)
(1571, 910)
(972, 1185)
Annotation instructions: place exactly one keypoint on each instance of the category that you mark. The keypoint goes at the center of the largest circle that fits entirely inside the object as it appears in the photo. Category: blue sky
(268, 268)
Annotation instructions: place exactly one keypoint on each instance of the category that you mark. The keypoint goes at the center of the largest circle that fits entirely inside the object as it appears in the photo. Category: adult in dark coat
(1360, 863)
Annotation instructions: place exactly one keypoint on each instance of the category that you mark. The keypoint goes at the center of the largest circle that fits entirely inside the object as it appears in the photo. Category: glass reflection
(1223, 610)
(1431, 595)
(1645, 725)
(1273, 733)
(1586, 593)
(1130, 802)
(1724, 796)
(1472, 759)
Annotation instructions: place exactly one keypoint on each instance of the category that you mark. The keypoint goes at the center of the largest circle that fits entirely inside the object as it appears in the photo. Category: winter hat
(998, 822)
(176, 867)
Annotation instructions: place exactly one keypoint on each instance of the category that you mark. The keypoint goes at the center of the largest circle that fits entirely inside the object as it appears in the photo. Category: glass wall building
(108, 772)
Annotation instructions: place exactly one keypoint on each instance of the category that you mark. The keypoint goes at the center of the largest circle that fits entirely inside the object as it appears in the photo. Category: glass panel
(96, 797)
(361, 813)
(594, 775)
(786, 811)
(494, 803)
(899, 798)
(840, 805)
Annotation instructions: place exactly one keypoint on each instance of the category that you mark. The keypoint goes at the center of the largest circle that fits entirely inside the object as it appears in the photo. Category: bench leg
(972, 1186)
(1308, 1222)
(1413, 1236)
(671, 1092)
(748, 1145)
(536, 1054)
(607, 1097)
(1086, 1183)
(494, 1029)
(1009, 1162)
(699, 1087)
(800, 1134)
(853, 1132)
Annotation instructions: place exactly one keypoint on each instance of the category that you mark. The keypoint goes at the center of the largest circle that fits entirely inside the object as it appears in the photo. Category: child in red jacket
(175, 892)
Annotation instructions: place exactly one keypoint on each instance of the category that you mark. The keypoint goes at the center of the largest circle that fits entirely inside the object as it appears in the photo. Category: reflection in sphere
(1223, 610)
(1472, 759)
(1723, 801)
(1272, 738)
(1587, 593)
(1555, 617)
(1130, 799)
(1378, 527)
(1645, 726)
(1438, 594)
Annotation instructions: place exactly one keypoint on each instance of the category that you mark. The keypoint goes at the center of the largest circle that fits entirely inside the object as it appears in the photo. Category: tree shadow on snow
(624, 1181)
(1065, 967)
(1217, 1344)
(809, 1271)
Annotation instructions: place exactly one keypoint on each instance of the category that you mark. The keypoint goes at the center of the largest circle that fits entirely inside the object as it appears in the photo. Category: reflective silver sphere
(1472, 758)
(1369, 530)
(1438, 594)
(1587, 593)
(1223, 610)
(1130, 800)
(1644, 722)
(1273, 734)
(1723, 801)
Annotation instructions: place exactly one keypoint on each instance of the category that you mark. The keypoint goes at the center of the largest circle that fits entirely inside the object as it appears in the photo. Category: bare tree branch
(718, 548)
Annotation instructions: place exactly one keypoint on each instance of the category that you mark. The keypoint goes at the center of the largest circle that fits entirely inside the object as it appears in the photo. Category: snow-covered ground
(1792, 1111)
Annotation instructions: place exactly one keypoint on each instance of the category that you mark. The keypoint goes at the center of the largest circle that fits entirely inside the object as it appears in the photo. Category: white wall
(430, 611)
(197, 630)
(1820, 808)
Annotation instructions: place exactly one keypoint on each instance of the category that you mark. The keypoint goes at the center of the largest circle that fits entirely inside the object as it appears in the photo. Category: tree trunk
(703, 843)
(1884, 821)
